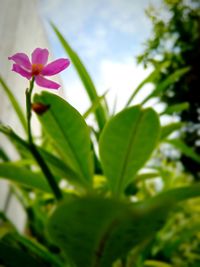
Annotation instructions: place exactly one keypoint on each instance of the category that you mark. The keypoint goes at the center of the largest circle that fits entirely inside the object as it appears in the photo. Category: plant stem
(49, 176)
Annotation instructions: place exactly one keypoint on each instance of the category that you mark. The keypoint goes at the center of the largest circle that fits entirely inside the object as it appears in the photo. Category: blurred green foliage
(125, 203)
(175, 39)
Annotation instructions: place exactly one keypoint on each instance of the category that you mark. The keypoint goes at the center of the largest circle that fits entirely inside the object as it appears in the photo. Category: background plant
(175, 41)
(121, 196)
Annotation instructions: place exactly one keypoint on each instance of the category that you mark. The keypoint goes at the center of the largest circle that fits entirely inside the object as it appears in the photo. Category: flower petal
(55, 67)
(40, 56)
(17, 68)
(41, 81)
(22, 60)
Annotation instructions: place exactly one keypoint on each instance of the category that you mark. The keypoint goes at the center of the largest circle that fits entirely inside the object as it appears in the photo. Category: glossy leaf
(104, 230)
(85, 78)
(126, 144)
(69, 134)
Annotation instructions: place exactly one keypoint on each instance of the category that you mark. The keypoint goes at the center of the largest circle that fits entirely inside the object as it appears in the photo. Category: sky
(107, 35)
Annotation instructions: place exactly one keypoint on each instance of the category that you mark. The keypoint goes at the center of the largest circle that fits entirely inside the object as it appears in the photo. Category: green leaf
(16, 250)
(3, 155)
(183, 148)
(104, 230)
(69, 134)
(85, 78)
(126, 143)
(14, 103)
(164, 85)
(56, 165)
(169, 129)
(175, 108)
(153, 263)
(146, 176)
(23, 176)
(150, 78)
(95, 105)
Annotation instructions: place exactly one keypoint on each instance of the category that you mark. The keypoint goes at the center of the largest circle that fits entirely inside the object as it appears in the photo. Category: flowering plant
(103, 215)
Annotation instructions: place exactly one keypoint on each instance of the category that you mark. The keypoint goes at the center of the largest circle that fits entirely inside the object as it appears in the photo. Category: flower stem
(49, 176)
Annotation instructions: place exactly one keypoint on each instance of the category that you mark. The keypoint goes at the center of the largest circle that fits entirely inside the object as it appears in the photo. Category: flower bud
(39, 108)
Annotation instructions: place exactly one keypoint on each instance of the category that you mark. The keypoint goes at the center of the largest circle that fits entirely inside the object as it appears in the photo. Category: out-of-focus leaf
(146, 176)
(3, 155)
(56, 165)
(154, 263)
(23, 176)
(16, 250)
(169, 129)
(186, 150)
(184, 236)
(150, 78)
(69, 134)
(104, 230)
(94, 105)
(85, 78)
(126, 143)
(164, 85)
(14, 103)
(175, 108)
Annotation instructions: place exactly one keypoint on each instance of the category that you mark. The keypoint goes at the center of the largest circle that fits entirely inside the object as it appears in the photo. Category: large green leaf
(23, 176)
(126, 143)
(85, 78)
(69, 133)
(14, 103)
(95, 232)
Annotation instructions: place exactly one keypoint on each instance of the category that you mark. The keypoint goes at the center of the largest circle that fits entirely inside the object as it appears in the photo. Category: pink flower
(38, 67)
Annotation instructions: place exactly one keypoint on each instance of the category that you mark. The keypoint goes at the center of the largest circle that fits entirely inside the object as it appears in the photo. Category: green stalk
(49, 176)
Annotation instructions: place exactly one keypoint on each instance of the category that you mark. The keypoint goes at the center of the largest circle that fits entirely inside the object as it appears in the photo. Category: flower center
(36, 69)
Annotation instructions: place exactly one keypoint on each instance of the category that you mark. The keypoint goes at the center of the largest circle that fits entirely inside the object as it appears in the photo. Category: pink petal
(55, 67)
(40, 56)
(22, 60)
(17, 68)
(41, 81)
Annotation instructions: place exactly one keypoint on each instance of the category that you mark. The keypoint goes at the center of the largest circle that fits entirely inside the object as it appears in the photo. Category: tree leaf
(103, 230)
(14, 103)
(85, 78)
(175, 108)
(162, 86)
(186, 150)
(169, 129)
(23, 176)
(126, 143)
(150, 78)
(69, 134)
